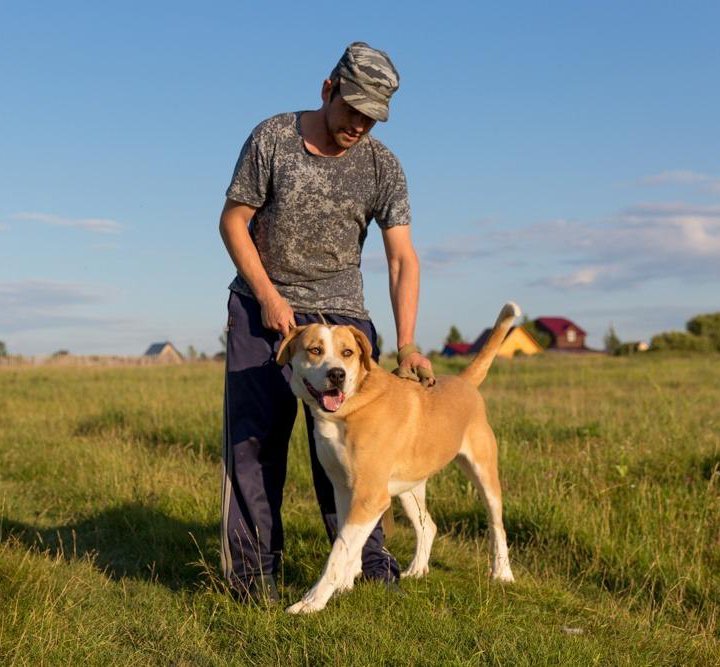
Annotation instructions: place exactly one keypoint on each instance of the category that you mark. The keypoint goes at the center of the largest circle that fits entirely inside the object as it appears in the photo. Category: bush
(626, 349)
(680, 340)
(708, 326)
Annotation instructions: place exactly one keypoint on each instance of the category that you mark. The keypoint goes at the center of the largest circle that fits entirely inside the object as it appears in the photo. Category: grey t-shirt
(313, 213)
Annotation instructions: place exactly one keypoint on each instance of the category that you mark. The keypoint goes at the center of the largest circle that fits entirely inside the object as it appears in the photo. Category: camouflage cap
(367, 79)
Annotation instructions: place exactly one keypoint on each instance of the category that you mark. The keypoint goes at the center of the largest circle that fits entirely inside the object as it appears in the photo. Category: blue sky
(562, 155)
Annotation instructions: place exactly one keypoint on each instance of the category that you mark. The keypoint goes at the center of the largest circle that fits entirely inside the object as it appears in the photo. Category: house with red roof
(566, 335)
(455, 349)
(517, 341)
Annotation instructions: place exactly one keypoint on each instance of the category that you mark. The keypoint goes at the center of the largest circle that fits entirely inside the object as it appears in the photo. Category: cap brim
(357, 99)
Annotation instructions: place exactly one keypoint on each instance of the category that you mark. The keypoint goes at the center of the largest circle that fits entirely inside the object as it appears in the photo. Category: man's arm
(276, 311)
(404, 272)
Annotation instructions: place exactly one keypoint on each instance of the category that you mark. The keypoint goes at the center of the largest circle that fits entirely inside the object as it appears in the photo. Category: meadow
(109, 527)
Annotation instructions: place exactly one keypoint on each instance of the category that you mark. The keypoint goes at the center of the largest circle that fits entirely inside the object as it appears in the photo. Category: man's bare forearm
(234, 232)
(276, 313)
(404, 274)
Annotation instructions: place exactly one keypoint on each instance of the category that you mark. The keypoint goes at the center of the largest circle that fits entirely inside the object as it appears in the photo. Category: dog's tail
(477, 370)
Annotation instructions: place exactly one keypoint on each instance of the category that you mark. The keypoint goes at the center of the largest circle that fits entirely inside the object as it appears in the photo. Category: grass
(109, 513)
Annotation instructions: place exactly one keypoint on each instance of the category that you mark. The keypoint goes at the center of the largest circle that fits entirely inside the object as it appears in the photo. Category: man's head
(367, 80)
(357, 93)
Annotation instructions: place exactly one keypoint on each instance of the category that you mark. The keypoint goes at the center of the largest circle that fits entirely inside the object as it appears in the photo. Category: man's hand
(413, 365)
(277, 315)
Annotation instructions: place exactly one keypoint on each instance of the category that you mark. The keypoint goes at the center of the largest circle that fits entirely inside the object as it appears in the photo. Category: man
(304, 190)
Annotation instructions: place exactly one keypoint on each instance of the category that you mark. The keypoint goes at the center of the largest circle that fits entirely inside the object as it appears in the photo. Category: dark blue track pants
(260, 411)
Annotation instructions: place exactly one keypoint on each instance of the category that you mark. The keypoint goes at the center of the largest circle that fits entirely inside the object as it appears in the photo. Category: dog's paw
(346, 586)
(415, 571)
(503, 575)
(304, 607)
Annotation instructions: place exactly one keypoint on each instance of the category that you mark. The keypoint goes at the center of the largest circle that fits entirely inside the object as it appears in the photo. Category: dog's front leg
(343, 557)
(346, 550)
(342, 508)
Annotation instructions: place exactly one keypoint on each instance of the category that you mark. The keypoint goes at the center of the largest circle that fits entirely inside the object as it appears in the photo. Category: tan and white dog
(378, 436)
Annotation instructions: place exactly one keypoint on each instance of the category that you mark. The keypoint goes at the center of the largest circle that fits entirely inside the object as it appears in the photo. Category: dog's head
(328, 362)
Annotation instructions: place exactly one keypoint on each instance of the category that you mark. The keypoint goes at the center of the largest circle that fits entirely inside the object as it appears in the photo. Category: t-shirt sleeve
(251, 178)
(392, 205)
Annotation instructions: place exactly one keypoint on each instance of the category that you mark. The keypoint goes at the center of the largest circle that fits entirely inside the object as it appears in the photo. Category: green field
(109, 515)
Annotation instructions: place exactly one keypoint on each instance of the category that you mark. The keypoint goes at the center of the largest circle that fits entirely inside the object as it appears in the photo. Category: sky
(561, 155)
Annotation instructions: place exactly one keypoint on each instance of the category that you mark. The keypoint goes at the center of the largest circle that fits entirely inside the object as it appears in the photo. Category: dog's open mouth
(329, 400)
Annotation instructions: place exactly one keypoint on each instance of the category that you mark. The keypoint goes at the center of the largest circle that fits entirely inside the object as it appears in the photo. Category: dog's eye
(316, 351)
(347, 353)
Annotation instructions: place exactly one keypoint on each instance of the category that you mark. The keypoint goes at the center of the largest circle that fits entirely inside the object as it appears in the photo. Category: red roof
(459, 348)
(558, 325)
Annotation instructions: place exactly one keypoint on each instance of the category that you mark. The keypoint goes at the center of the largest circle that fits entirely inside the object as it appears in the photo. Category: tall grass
(109, 513)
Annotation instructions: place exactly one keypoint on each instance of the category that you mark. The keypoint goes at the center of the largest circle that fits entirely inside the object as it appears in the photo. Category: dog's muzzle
(336, 376)
(330, 400)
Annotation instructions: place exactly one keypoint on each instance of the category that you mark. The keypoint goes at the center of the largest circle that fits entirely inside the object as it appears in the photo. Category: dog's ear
(365, 347)
(285, 350)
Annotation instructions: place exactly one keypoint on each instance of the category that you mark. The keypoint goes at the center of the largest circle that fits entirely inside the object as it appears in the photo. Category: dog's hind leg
(478, 460)
(413, 503)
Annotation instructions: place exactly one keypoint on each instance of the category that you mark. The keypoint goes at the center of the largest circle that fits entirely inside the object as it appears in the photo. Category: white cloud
(96, 225)
(439, 257)
(642, 243)
(582, 278)
(39, 304)
(449, 255)
(683, 177)
(39, 316)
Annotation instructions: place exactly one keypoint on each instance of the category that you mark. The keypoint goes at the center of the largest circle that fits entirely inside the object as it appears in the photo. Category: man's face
(345, 124)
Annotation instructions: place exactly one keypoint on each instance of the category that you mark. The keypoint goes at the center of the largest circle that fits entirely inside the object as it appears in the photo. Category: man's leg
(259, 415)
(377, 562)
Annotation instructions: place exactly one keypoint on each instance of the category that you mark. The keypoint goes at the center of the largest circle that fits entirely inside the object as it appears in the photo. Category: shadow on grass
(710, 466)
(203, 438)
(143, 542)
(635, 576)
(131, 540)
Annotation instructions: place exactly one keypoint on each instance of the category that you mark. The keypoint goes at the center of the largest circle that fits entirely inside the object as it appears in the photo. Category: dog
(379, 436)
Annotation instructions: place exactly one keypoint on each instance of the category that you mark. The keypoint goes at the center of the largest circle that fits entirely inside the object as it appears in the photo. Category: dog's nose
(336, 376)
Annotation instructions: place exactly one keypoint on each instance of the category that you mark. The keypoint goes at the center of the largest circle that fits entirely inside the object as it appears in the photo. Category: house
(566, 335)
(164, 352)
(517, 341)
(455, 349)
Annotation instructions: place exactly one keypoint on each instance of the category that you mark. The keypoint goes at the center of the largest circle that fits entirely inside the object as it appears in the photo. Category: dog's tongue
(332, 400)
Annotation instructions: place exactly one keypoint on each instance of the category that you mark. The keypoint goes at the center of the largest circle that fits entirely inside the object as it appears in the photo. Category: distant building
(455, 349)
(631, 347)
(164, 352)
(517, 341)
(566, 335)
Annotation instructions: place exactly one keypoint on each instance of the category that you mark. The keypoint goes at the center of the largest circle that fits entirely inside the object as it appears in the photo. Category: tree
(3, 349)
(379, 343)
(681, 340)
(543, 338)
(708, 326)
(612, 342)
(191, 353)
(454, 336)
(702, 335)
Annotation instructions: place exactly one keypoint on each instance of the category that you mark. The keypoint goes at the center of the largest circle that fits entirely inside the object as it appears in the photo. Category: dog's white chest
(331, 450)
